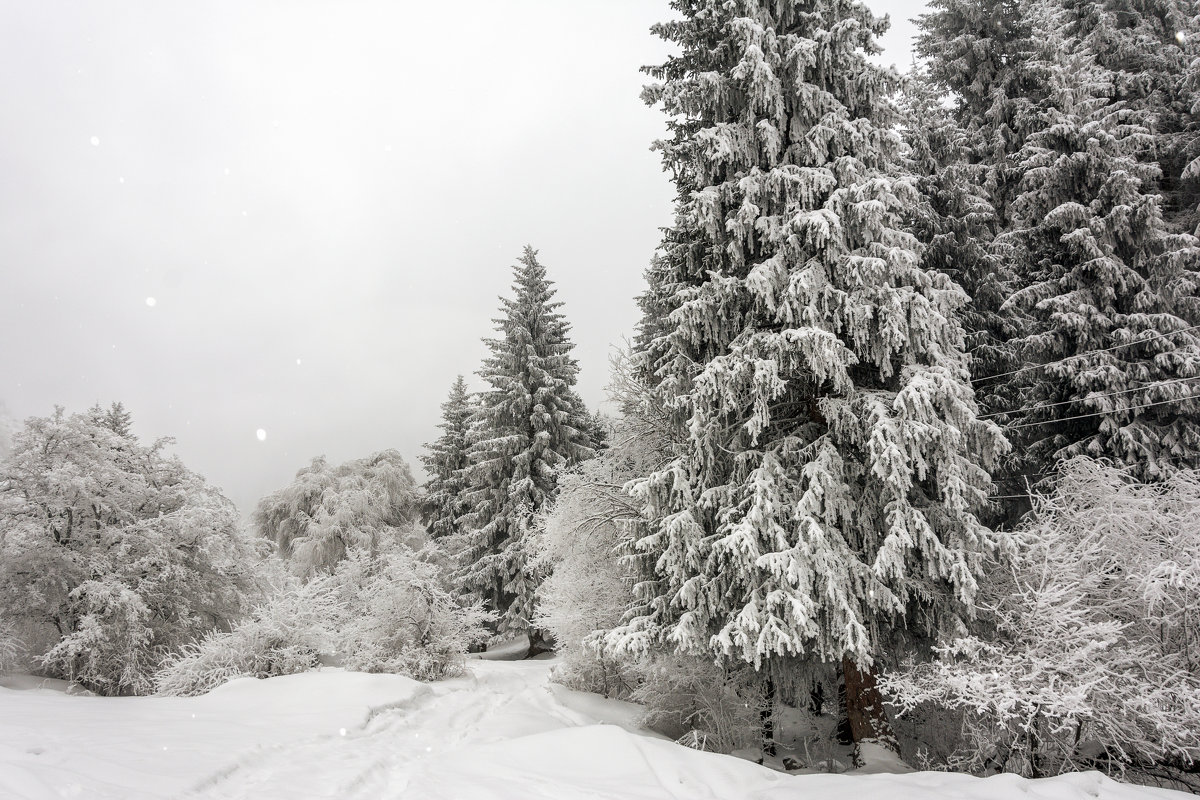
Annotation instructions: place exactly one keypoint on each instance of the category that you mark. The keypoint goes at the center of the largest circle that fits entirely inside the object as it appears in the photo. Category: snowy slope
(501, 733)
(55, 745)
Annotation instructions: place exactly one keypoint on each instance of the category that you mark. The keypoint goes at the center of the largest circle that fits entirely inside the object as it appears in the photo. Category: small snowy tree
(327, 512)
(1087, 656)
(403, 619)
(584, 540)
(284, 635)
(588, 590)
(115, 552)
(446, 462)
(826, 493)
(530, 426)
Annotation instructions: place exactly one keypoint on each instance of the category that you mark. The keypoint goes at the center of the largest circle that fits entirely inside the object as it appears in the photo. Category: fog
(297, 217)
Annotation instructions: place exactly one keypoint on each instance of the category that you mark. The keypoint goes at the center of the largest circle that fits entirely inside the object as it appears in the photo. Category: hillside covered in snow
(503, 731)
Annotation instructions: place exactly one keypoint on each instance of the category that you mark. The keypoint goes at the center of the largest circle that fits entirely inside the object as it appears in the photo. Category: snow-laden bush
(384, 613)
(584, 542)
(113, 553)
(692, 698)
(328, 511)
(399, 617)
(11, 647)
(110, 649)
(589, 589)
(283, 636)
(1091, 660)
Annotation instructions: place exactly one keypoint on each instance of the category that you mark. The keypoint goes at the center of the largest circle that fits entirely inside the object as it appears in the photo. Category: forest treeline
(907, 439)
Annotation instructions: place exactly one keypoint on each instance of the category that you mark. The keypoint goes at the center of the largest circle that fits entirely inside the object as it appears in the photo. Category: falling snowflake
(1181, 37)
(95, 141)
(150, 301)
(261, 434)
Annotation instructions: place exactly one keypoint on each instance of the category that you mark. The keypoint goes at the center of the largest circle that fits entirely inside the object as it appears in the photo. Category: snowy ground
(501, 733)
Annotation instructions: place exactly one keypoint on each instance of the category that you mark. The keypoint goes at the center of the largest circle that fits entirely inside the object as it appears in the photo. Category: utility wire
(1171, 460)
(1096, 397)
(1096, 413)
(1081, 355)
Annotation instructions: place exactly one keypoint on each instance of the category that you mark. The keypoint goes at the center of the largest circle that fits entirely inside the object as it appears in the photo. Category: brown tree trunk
(864, 708)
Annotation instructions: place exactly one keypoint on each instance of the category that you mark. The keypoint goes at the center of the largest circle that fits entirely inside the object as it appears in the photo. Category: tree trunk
(767, 715)
(538, 643)
(816, 699)
(864, 709)
(844, 735)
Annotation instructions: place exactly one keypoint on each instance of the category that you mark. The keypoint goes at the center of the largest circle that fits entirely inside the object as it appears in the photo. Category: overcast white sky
(324, 200)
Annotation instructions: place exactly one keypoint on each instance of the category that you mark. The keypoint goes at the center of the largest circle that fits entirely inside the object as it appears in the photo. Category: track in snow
(497, 701)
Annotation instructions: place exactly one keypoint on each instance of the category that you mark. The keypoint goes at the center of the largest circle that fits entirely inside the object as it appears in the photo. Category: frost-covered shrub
(714, 708)
(588, 590)
(1089, 658)
(284, 636)
(327, 511)
(584, 537)
(400, 618)
(387, 613)
(113, 553)
(110, 650)
(11, 647)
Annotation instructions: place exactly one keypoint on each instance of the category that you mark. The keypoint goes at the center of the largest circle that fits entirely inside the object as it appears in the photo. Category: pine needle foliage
(826, 491)
(530, 425)
(446, 460)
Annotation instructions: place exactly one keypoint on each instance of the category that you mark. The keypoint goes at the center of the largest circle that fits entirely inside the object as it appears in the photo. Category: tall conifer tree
(1109, 294)
(1077, 115)
(530, 425)
(825, 493)
(978, 54)
(1150, 51)
(957, 224)
(445, 461)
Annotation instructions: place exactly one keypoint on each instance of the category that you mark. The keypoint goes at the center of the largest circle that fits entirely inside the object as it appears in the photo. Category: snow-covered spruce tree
(530, 425)
(825, 495)
(445, 461)
(1151, 50)
(957, 224)
(1087, 658)
(979, 55)
(367, 504)
(116, 418)
(113, 553)
(1107, 291)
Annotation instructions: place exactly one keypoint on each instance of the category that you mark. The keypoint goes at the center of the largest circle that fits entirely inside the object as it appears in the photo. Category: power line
(1096, 397)
(1171, 460)
(1096, 413)
(1082, 355)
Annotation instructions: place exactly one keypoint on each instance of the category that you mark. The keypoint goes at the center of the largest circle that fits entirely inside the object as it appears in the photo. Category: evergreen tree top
(831, 457)
(529, 426)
